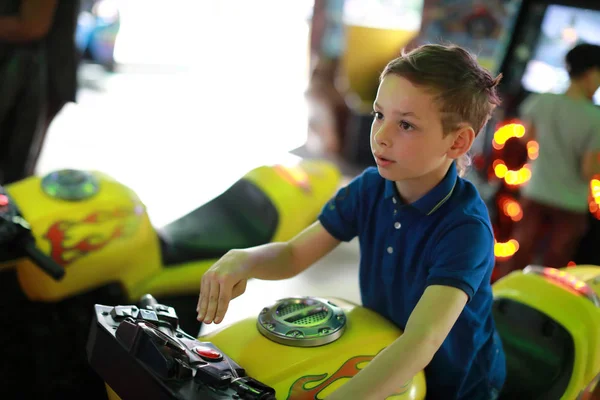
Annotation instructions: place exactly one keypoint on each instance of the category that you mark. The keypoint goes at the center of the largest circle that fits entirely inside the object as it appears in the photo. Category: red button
(207, 353)
(3, 200)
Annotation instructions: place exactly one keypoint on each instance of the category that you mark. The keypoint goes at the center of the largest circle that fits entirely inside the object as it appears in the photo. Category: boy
(425, 237)
(567, 128)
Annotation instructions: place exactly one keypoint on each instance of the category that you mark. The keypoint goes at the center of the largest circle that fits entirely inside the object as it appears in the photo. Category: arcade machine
(534, 63)
(351, 41)
(484, 27)
(325, 98)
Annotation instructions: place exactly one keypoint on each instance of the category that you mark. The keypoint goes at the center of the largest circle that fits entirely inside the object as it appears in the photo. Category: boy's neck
(576, 92)
(411, 190)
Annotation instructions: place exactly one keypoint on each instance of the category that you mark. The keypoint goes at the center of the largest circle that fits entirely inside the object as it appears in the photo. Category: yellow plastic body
(577, 314)
(106, 238)
(368, 50)
(298, 192)
(109, 237)
(298, 373)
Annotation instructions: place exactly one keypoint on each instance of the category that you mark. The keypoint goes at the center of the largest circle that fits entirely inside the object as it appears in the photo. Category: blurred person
(567, 128)
(38, 69)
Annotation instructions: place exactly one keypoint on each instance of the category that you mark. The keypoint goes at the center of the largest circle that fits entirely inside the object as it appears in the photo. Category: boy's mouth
(382, 161)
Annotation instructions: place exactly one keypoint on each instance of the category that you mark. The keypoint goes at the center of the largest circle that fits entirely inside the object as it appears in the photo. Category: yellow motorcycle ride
(73, 238)
(303, 348)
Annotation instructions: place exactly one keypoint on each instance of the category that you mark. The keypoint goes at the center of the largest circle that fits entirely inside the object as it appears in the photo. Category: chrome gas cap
(302, 322)
(70, 184)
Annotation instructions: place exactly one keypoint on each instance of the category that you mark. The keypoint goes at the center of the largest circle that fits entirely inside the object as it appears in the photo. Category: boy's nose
(382, 137)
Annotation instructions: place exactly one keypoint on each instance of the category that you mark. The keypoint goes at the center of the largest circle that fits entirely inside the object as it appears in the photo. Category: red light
(208, 353)
(571, 264)
(511, 208)
(3, 200)
(294, 175)
(567, 280)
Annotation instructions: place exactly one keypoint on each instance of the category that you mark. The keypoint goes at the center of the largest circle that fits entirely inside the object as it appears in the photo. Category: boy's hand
(224, 281)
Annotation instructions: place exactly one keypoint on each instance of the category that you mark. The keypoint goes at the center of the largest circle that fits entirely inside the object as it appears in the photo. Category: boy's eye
(405, 126)
(376, 115)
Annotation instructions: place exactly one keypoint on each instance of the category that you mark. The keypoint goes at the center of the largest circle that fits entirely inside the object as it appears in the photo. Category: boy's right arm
(226, 279)
(275, 261)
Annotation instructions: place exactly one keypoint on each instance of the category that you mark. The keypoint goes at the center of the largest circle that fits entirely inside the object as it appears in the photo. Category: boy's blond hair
(464, 91)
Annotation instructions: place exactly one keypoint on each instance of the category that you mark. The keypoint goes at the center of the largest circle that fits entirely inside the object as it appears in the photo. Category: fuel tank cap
(70, 184)
(302, 322)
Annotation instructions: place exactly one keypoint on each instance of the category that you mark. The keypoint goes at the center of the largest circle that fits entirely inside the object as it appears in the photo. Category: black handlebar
(46, 263)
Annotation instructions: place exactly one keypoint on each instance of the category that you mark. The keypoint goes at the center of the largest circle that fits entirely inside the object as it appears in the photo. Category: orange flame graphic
(58, 234)
(298, 390)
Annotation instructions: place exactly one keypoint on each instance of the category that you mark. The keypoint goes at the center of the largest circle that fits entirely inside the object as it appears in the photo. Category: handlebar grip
(147, 300)
(45, 262)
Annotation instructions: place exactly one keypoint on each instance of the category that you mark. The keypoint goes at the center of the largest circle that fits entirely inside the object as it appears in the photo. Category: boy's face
(407, 138)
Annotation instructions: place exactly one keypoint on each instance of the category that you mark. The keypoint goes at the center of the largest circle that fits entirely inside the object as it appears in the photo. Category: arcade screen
(562, 28)
(482, 26)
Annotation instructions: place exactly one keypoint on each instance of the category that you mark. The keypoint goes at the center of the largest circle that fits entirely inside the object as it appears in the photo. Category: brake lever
(20, 231)
(43, 261)
(18, 220)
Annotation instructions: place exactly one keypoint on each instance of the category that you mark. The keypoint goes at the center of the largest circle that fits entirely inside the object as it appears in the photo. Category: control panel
(141, 352)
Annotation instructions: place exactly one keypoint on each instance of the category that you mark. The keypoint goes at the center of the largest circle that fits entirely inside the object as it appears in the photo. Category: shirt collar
(434, 199)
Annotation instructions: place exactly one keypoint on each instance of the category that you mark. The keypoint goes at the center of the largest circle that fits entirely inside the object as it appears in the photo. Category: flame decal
(299, 391)
(59, 234)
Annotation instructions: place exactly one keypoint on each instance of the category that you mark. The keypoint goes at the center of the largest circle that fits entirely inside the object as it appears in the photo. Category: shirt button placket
(390, 249)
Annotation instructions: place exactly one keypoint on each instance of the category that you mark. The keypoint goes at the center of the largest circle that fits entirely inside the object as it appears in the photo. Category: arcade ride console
(142, 353)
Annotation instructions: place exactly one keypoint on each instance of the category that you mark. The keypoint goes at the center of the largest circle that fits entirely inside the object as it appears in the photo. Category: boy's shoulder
(466, 206)
(463, 220)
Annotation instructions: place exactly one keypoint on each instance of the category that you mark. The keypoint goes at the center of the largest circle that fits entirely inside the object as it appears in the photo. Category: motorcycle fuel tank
(306, 347)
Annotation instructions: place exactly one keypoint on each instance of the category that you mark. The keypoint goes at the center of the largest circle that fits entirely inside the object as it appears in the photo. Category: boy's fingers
(224, 299)
(213, 298)
(203, 298)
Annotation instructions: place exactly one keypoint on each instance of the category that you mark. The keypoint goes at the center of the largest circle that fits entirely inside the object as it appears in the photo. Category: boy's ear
(463, 139)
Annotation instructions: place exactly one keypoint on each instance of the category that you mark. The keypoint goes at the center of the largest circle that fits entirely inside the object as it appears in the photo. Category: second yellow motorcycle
(75, 238)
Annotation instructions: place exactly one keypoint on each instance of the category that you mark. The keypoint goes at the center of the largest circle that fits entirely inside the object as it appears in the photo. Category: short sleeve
(463, 257)
(339, 216)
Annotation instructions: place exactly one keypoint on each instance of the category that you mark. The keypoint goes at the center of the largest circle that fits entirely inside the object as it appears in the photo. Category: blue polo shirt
(444, 238)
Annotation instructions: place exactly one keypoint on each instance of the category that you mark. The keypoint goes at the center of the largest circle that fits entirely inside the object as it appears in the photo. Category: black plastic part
(211, 376)
(252, 389)
(43, 261)
(129, 378)
(243, 216)
(540, 353)
(186, 310)
(43, 344)
(17, 241)
(138, 359)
